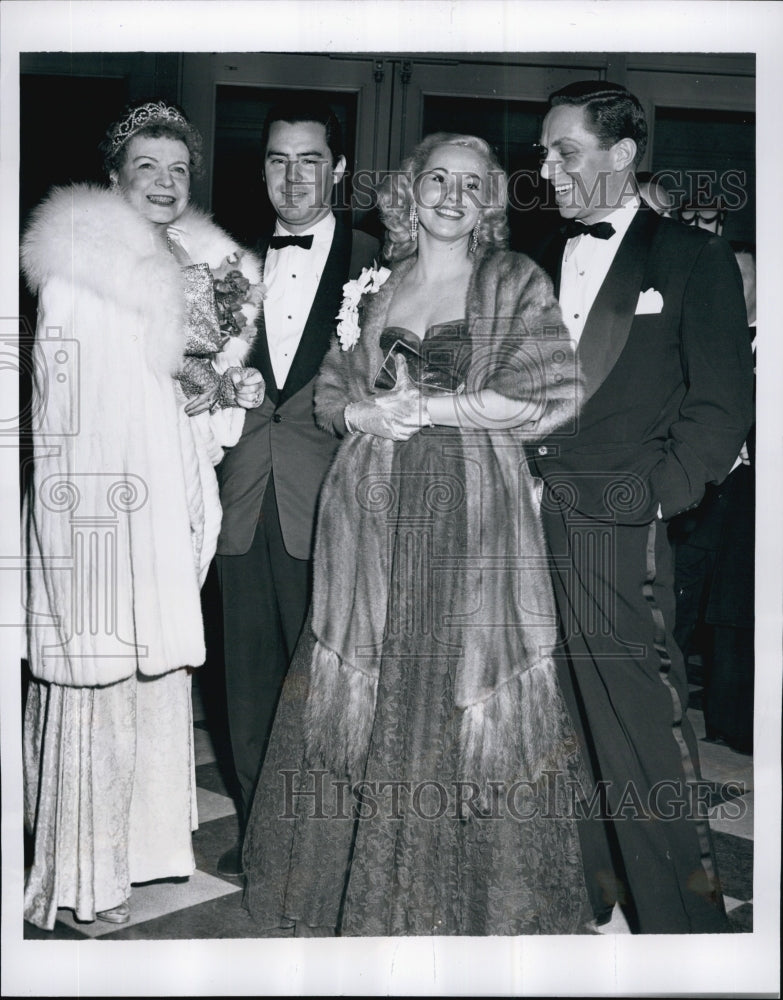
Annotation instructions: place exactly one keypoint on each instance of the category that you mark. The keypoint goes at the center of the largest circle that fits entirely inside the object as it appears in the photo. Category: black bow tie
(278, 242)
(601, 230)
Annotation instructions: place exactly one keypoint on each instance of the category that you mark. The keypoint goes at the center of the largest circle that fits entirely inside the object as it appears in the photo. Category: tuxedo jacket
(668, 372)
(280, 437)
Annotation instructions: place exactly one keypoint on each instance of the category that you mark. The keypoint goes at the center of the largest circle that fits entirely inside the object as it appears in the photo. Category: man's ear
(624, 154)
(338, 170)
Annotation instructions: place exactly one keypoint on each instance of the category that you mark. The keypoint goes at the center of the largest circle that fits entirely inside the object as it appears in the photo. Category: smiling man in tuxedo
(658, 314)
(270, 481)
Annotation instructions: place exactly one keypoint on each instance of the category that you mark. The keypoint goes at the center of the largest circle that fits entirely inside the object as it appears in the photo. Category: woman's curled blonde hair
(396, 195)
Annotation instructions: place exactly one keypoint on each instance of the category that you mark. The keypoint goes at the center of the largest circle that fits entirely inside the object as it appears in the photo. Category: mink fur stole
(513, 721)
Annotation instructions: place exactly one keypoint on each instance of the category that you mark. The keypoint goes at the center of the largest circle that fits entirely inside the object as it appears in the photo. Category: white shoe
(116, 915)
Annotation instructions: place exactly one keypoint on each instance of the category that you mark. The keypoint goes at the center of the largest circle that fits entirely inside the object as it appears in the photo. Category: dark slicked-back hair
(301, 108)
(611, 112)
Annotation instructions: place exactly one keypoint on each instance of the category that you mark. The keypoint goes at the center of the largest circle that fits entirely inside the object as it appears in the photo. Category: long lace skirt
(394, 852)
(110, 791)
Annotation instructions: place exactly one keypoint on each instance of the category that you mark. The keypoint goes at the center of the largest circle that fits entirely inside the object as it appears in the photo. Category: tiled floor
(209, 906)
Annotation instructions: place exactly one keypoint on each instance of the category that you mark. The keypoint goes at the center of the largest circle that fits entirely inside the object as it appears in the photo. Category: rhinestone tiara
(145, 114)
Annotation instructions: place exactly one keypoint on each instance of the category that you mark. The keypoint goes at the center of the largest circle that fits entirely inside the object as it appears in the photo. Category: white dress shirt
(586, 262)
(291, 277)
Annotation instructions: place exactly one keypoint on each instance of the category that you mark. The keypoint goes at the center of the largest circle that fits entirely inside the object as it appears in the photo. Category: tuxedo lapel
(609, 321)
(323, 314)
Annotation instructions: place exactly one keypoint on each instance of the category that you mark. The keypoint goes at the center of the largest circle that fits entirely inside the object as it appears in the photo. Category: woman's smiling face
(449, 192)
(155, 177)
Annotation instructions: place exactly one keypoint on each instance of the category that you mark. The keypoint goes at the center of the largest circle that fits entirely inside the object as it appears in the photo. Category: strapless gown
(396, 856)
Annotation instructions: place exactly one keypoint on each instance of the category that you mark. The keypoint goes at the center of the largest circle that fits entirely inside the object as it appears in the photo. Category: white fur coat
(122, 517)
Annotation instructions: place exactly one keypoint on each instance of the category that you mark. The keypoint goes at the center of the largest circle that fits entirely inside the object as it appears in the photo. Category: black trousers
(623, 672)
(266, 593)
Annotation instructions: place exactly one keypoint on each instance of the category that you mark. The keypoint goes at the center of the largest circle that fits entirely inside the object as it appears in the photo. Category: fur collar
(98, 221)
(87, 234)
(207, 243)
(90, 238)
(91, 241)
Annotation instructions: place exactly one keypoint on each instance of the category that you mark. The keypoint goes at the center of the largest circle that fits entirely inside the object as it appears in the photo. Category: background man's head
(593, 137)
(303, 160)
(655, 194)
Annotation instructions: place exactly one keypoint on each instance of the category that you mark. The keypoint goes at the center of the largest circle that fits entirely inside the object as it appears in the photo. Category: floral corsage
(368, 282)
(237, 300)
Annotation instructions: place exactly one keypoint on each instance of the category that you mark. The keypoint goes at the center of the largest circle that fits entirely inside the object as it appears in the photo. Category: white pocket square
(650, 303)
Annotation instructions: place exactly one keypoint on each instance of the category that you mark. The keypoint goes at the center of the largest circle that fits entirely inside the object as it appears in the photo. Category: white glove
(396, 415)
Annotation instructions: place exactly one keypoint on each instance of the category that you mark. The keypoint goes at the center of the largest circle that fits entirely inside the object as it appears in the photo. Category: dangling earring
(414, 223)
(474, 237)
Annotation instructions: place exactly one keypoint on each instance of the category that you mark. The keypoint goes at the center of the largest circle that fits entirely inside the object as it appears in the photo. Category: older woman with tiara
(419, 770)
(145, 311)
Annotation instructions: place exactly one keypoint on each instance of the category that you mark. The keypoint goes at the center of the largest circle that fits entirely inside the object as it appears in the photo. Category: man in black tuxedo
(659, 317)
(269, 482)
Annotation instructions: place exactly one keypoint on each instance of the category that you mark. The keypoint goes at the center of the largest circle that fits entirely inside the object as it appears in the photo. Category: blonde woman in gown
(422, 761)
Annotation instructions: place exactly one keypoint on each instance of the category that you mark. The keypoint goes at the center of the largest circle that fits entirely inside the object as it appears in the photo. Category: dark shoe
(604, 916)
(116, 915)
(600, 919)
(230, 863)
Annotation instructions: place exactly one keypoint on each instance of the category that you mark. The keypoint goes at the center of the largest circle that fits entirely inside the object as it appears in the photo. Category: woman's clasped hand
(396, 414)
